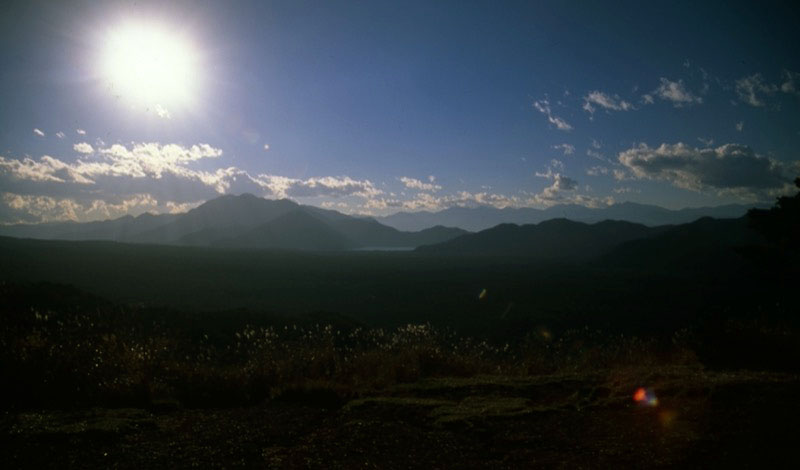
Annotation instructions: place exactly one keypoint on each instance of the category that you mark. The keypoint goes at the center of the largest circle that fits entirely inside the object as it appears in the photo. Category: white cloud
(543, 106)
(706, 142)
(327, 186)
(567, 149)
(677, 93)
(555, 193)
(560, 184)
(729, 168)
(150, 159)
(790, 82)
(605, 101)
(83, 147)
(46, 169)
(740, 126)
(80, 131)
(163, 172)
(162, 112)
(18, 208)
(559, 123)
(266, 147)
(648, 99)
(413, 183)
(38, 132)
(60, 135)
(749, 89)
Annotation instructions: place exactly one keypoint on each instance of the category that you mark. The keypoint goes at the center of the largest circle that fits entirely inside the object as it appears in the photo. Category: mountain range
(551, 239)
(251, 222)
(244, 221)
(610, 242)
(479, 218)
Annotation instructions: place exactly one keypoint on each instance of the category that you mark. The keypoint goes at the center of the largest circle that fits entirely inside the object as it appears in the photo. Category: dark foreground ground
(702, 420)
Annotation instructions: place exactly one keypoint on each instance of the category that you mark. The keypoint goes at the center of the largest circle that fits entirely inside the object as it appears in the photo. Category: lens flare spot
(545, 334)
(666, 418)
(645, 396)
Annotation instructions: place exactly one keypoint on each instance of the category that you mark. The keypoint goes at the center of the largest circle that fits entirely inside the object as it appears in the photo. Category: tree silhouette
(781, 223)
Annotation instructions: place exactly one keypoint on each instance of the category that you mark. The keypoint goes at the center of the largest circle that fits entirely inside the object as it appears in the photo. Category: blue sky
(375, 107)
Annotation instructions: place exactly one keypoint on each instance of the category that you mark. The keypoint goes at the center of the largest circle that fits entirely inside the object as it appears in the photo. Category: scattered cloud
(38, 132)
(706, 142)
(553, 169)
(605, 101)
(594, 152)
(563, 190)
(413, 183)
(751, 88)
(729, 168)
(60, 135)
(80, 131)
(543, 106)
(677, 93)
(740, 126)
(83, 147)
(597, 171)
(648, 99)
(566, 149)
(625, 190)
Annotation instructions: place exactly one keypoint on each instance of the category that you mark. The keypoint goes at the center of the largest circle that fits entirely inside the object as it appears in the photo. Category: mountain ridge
(244, 221)
(475, 219)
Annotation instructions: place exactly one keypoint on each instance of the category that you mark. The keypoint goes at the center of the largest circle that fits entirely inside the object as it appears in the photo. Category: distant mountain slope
(123, 228)
(295, 230)
(219, 215)
(703, 241)
(481, 218)
(556, 238)
(244, 221)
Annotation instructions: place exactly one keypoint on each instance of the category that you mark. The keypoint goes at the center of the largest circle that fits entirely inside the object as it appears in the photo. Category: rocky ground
(701, 419)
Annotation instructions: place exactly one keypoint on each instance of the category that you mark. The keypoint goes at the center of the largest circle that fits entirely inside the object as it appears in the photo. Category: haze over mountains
(244, 221)
(480, 218)
(250, 222)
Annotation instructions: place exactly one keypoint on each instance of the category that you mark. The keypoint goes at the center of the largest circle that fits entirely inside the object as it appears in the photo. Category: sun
(150, 67)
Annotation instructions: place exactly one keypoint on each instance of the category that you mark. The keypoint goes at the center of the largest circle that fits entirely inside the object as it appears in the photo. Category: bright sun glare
(150, 67)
